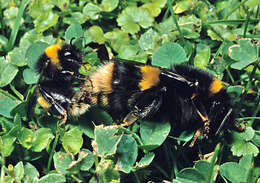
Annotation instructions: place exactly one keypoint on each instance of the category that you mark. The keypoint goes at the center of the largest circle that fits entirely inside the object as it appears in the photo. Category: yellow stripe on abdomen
(102, 79)
(150, 77)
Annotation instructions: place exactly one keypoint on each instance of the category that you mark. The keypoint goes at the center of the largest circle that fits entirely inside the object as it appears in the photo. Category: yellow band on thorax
(150, 77)
(215, 86)
(52, 53)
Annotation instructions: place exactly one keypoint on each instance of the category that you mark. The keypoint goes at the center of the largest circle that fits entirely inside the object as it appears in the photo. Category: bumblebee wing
(172, 76)
(50, 99)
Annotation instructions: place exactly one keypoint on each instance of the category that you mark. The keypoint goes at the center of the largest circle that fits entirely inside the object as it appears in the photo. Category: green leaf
(146, 160)
(109, 5)
(42, 137)
(237, 172)
(166, 26)
(203, 167)
(168, 54)
(62, 162)
(53, 178)
(86, 158)
(148, 40)
(39, 7)
(96, 115)
(233, 172)
(73, 31)
(221, 33)
(132, 18)
(7, 145)
(17, 56)
(129, 51)
(106, 171)
(19, 171)
(62, 4)
(246, 162)
(7, 72)
(45, 21)
(202, 57)
(256, 139)
(241, 148)
(75, 17)
(182, 6)
(91, 11)
(153, 134)
(25, 137)
(244, 53)
(154, 6)
(3, 41)
(34, 52)
(30, 173)
(190, 26)
(28, 38)
(106, 140)
(127, 151)
(117, 38)
(96, 34)
(30, 76)
(10, 15)
(247, 135)
(7, 105)
(190, 175)
(235, 89)
(72, 140)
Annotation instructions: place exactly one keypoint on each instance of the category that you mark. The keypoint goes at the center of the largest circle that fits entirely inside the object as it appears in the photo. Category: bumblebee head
(222, 113)
(59, 62)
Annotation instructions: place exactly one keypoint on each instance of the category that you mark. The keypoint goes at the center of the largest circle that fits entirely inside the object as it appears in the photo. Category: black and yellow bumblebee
(60, 62)
(184, 95)
(129, 91)
(58, 68)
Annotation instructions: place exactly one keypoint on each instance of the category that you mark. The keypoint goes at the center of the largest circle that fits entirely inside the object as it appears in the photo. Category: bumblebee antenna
(223, 121)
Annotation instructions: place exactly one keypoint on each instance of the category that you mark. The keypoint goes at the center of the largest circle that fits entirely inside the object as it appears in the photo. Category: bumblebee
(184, 95)
(58, 67)
(60, 62)
(61, 100)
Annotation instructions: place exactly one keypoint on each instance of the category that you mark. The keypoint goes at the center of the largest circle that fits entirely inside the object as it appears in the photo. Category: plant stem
(17, 24)
(136, 137)
(161, 170)
(247, 21)
(175, 21)
(234, 9)
(76, 179)
(52, 150)
(16, 92)
(238, 21)
(137, 178)
(209, 178)
(8, 94)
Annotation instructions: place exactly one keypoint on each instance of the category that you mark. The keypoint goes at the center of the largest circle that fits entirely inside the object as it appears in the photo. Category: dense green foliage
(219, 36)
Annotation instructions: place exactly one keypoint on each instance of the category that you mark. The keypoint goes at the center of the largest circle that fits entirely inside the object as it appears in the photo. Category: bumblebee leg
(204, 118)
(195, 137)
(206, 123)
(206, 156)
(129, 119)
(140, 113)
(64, 118)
